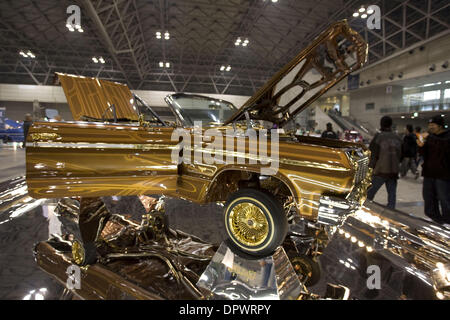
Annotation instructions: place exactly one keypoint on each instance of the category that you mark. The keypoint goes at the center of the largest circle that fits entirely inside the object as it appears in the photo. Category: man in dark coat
(436, 171)
(329, 133)
(409, 153)
(386, 152)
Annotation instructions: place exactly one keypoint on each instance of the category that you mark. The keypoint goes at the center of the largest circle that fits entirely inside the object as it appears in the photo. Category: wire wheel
(248, 224)
(307, 270)
(255, 222)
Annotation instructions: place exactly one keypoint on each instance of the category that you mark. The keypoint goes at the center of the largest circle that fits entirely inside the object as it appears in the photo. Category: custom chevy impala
(113, 148)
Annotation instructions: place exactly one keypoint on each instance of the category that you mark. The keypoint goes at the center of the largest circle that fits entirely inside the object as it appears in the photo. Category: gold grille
(362, 170)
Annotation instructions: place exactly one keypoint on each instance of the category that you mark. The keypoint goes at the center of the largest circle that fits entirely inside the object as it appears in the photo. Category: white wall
(376, 95)
(18, 99)
(55, 94)
(29, 93)
(412, 66)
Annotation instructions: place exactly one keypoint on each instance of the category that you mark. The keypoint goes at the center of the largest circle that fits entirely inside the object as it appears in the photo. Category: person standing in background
(419, 141)
(386, 152)
(329, 133)
(409, 153)
(436, 171)
(298, 131)
(26, 127)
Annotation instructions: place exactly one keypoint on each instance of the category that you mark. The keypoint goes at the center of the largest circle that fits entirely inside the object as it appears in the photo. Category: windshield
(149, 114)
(191, 108)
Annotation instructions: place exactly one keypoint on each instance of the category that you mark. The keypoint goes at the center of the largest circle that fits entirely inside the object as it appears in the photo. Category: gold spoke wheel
(248, 224)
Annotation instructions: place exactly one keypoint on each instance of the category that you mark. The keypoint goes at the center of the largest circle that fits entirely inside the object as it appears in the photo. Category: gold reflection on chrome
(77, 252)
(44, 136)
(248, 224)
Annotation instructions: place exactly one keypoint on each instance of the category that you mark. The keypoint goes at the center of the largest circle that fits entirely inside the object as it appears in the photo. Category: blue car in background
(13, 131)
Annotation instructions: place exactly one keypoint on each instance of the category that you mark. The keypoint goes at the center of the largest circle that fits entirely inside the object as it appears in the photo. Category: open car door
(98, 157)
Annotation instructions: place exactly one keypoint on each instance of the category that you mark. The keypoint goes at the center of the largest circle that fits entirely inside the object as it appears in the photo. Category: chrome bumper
(333, 211)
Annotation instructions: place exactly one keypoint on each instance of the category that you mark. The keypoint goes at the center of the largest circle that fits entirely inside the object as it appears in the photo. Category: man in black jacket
(386, 152)
(329, 133)
(436, 171)
(409, 153)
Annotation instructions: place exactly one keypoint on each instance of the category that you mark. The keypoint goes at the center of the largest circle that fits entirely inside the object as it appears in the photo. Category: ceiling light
(356, 14)
(236, 43)
(274, 1)
(101, 60)
(222, 68)
(167, 64)
(362, 9)
(244, 44)
(161, 64)
(95, 59)
(370, 11)
(364, 16)
(228, 68)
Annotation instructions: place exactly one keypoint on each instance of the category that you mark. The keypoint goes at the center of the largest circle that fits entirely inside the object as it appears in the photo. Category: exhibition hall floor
(24, 222)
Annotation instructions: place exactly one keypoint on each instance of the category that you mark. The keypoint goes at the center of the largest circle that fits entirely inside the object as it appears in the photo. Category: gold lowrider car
(112, 150)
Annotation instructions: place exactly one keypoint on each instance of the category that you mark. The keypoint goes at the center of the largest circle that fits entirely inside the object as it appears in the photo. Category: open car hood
(92, 98)
(332, 56)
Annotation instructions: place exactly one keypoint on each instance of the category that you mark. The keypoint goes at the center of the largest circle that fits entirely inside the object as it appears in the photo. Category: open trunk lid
(92, 98)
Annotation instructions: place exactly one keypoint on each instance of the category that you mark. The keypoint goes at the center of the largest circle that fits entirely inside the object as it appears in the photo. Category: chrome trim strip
(149, 146)
(84, 145)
